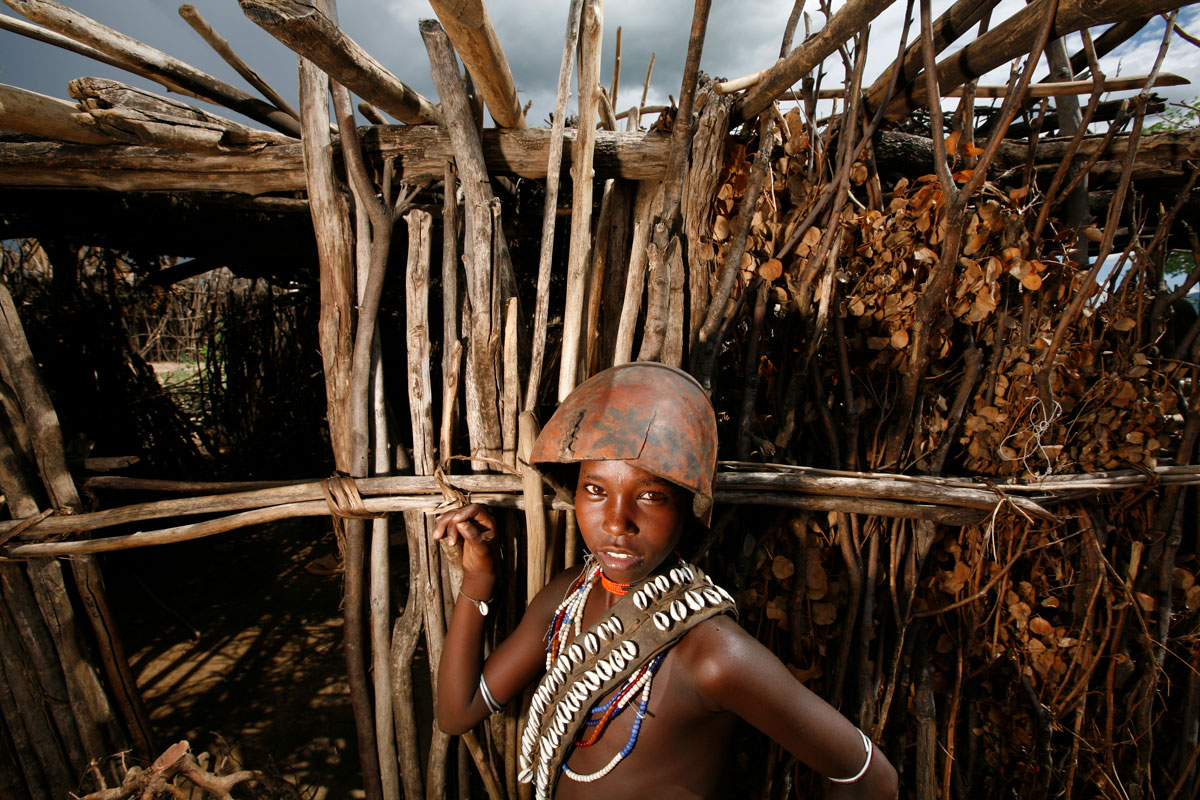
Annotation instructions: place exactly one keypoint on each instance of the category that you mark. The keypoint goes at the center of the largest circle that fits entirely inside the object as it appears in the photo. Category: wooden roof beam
(421, 152)
(146, 59)
(470, 29)
(305, 29)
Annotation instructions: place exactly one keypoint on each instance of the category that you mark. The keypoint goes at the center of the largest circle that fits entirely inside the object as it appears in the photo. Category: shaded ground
(236, 647)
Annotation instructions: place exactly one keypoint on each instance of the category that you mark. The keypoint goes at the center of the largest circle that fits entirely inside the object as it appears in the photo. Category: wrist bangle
(866, 764)
(481, 605)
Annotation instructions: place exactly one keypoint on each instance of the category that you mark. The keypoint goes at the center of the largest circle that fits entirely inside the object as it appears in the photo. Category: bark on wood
(849, 19)
(582, 175)
(616, 269)
(1011, 38)
(29, 112)
(304, 28)
(71, 23)
(225, 51)
(470, 30)
(420, 153)
(699, 194)
(483, 412)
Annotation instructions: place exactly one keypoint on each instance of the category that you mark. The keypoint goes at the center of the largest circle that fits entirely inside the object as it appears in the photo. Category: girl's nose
(616, 519)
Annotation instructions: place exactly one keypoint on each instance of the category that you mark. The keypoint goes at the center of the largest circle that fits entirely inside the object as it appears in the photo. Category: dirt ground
(238, 649)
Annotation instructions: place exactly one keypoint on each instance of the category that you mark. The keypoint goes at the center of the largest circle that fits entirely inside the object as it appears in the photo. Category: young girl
(642, 671)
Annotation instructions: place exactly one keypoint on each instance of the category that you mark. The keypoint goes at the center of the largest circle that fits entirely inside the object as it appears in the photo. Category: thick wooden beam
(470, 29)
(304, 28)
(145, 58)
(422, 152)
(38, 114)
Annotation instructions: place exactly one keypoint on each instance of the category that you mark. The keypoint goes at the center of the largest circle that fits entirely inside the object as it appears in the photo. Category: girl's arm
(516, 661)
(734, 672)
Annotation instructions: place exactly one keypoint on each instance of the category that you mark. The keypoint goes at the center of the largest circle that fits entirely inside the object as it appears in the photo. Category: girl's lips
(617, 559)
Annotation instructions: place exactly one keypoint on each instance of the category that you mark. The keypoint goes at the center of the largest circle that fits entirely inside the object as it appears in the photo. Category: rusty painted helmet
(653, 416)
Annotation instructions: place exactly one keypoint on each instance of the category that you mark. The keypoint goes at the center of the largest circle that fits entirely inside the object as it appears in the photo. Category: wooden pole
(582, 175)
(470, 30)
(420, 153)
(334, 251)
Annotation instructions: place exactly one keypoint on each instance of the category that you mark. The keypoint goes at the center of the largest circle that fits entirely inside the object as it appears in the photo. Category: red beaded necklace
(612, 587)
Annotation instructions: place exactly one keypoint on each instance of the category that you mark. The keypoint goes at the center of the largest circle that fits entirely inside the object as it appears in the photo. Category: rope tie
(341, 494)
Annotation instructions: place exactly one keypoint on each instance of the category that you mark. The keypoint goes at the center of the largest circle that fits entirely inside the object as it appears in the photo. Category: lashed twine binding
(648, 620)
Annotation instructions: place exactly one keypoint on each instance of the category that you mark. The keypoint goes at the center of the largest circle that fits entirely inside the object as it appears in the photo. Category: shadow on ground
(237, 648)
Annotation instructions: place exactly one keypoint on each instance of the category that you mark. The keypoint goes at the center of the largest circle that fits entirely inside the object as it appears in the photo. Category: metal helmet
(653, 416)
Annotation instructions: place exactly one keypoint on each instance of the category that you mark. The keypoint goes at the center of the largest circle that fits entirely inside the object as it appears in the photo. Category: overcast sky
(743, 37)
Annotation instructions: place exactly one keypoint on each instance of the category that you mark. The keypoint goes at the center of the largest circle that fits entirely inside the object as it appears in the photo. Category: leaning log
(470, 29)
(421, 153)
(302, 26)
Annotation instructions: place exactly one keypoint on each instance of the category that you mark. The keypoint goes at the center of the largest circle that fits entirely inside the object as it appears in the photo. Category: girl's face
(631, 520)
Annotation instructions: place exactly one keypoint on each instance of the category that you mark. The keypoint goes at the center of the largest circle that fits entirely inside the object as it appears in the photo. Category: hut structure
(956, 394)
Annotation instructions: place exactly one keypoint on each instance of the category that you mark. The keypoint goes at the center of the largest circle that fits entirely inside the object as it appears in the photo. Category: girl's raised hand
(473, 527)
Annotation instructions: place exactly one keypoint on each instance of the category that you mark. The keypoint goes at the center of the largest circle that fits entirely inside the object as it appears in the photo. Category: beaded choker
(612, 587)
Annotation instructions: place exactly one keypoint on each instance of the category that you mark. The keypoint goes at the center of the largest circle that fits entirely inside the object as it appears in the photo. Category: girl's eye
(654, 497)
(592, 489)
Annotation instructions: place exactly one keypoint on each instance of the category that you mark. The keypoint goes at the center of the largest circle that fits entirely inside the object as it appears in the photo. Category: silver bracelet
(866, 764)
(488, 699)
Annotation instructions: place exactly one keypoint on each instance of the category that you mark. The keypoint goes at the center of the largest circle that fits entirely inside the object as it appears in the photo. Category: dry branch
(147, 59)
(225, 51)
(40, 34)
(303, 27)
